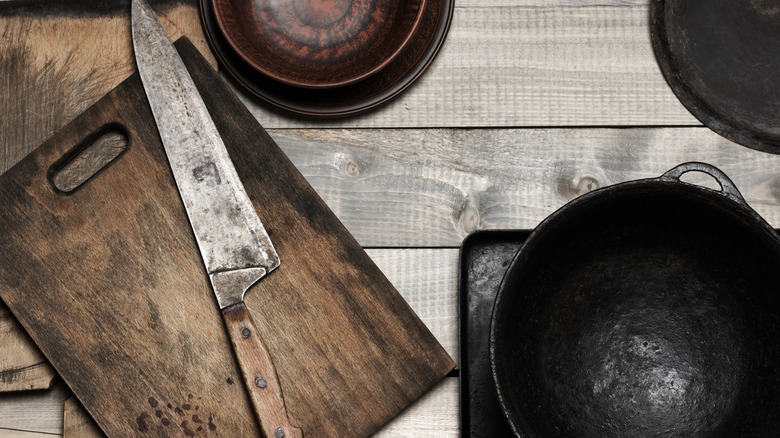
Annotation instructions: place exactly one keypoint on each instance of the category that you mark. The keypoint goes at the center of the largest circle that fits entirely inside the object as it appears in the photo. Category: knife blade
(234, 245)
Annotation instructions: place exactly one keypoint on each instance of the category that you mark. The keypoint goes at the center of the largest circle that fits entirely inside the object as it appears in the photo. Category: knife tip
(139, 9)
(143, 22)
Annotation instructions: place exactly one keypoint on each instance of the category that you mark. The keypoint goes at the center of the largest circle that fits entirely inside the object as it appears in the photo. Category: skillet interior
(645, 309)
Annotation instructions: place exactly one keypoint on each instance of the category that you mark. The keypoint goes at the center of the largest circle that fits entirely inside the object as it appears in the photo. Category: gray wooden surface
(530, 103)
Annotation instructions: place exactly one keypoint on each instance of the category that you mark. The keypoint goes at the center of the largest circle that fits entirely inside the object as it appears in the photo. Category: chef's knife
(233, 243)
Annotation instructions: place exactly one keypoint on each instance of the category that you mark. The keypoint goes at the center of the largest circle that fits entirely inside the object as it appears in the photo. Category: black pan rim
(700, 109)
(516, 422)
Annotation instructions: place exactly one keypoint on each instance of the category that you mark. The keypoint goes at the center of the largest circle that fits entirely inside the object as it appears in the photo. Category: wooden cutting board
(49, 47)
(107, 279)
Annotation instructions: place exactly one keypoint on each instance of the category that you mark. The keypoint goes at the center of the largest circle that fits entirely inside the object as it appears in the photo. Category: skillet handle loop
(727, 187)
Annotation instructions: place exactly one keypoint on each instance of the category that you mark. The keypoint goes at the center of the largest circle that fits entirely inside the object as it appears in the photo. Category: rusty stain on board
(141, 420)
(186, 429)
(145, 427)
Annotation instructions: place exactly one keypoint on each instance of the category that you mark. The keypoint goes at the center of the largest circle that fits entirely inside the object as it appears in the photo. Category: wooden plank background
(529, 104)
(534, 63)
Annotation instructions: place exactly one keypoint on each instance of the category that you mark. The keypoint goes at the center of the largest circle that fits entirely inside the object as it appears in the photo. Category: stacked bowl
(326, 58)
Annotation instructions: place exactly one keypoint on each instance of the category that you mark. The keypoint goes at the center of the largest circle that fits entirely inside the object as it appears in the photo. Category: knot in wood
(587, 184)
(574, 187)
(469, 219)
(352, 169)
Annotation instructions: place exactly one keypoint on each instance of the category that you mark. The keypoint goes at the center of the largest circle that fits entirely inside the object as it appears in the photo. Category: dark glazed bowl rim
(351, 100)
(223, 13)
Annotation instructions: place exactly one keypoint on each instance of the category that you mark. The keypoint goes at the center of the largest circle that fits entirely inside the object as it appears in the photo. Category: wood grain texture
(57, 60)
(76, 423)
(10, 433)
(258, 374)
(427, 278)
(389, 193)
(435, 414)
(57, 64)
(349, 351)
(547, 3)
(33, 411)
(432, 187)
(517, 65)
(193, 362)
(22, 365)
(48, 57)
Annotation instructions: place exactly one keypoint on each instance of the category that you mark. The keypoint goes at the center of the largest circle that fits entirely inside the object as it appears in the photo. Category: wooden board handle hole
(88, 158)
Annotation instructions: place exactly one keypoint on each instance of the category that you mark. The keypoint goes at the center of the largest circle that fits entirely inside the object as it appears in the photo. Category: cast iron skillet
(721, 58)
(649, 308)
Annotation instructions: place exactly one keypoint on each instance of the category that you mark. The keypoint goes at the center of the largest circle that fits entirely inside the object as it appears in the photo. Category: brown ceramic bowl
(318, 43)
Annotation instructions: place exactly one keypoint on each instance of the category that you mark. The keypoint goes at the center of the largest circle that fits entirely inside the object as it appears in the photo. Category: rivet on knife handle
(233, 243)
(259, 374)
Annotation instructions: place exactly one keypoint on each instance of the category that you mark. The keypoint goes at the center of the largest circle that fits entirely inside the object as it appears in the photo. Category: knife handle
(259, 374)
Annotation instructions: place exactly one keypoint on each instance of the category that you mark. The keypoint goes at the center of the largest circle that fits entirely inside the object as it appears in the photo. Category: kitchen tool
(315, 44)
(107, 280)
(646, 308)
(235, 247)
(721, 58)
(484, 258)
(348, 100)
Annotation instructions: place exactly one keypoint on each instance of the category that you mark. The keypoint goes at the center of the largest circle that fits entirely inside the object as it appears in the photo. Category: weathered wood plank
(76, 422)
(428, 280)
(547, 3)
(389, 193)
(52, 73)
(433, 415)
(513, 64)
(360, 355)
(33, 411)
(22, 365)
(55, 65)
(532, 66)
(403, 188)
(11, 433)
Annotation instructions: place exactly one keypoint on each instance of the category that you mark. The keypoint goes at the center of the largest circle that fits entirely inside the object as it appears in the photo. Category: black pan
(649, 308)
(721, 58)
